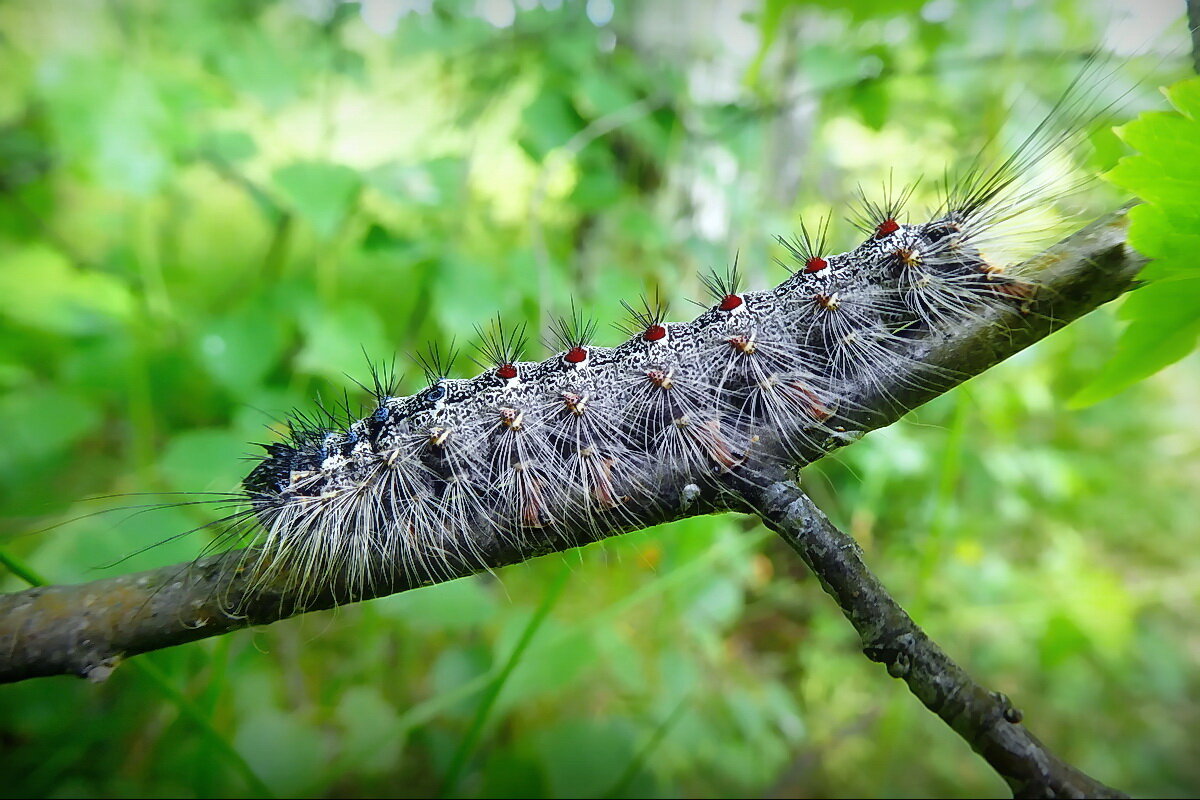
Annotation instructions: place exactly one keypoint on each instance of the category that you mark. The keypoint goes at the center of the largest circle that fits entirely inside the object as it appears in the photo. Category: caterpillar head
(299, 467)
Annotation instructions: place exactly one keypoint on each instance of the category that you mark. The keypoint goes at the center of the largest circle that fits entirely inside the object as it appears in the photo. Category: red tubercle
(815, 264)
(654, 333)
(729, 302)
(507, 372)
(576, 355)
(886, 228)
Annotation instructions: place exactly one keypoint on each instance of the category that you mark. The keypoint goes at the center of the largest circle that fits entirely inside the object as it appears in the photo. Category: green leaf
(553, 663)
(1185, 96)
(38, 423)
(548, 122)
(205, 460)
(1172, 242)
(506, 774)
(321, 193)
(239, 349)
(1164, 316)
(252, 62)
(40, 288)
(1165, 323)
(596, 189)
(336, 338)
(286, 751)
(582, 758)
(372, 738)
(872, 100)
(115, 536)
(598, 93)
(769, 20)
(452, 606)
(491, 289)
(231, 146)
(434, 183)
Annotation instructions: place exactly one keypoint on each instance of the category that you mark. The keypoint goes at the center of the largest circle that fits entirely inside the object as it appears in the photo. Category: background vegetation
(210, 210)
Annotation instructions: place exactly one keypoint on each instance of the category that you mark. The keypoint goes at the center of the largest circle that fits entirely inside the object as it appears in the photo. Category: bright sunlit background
(209, 210)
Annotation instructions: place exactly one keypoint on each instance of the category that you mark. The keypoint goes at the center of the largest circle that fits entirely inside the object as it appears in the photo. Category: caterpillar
(525, 450)
(530, 453)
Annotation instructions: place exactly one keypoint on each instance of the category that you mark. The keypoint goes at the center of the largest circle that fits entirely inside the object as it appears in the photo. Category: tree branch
(986, 720)
(88, 629)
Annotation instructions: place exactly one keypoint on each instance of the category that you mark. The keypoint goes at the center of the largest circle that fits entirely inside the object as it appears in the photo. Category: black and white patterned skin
(525, 451)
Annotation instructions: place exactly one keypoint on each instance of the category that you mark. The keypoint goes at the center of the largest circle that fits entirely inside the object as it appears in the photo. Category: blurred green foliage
(211, 210)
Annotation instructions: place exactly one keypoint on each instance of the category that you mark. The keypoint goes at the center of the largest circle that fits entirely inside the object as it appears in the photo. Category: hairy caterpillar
(528, 450)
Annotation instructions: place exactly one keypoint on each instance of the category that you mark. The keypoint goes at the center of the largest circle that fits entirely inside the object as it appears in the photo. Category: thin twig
(986, 720)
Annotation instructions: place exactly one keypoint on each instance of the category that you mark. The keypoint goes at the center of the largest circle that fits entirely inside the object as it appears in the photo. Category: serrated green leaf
(1163, 329)
(1185, 96)
(1164, 317)
(1162, 137)
(1154, 232)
